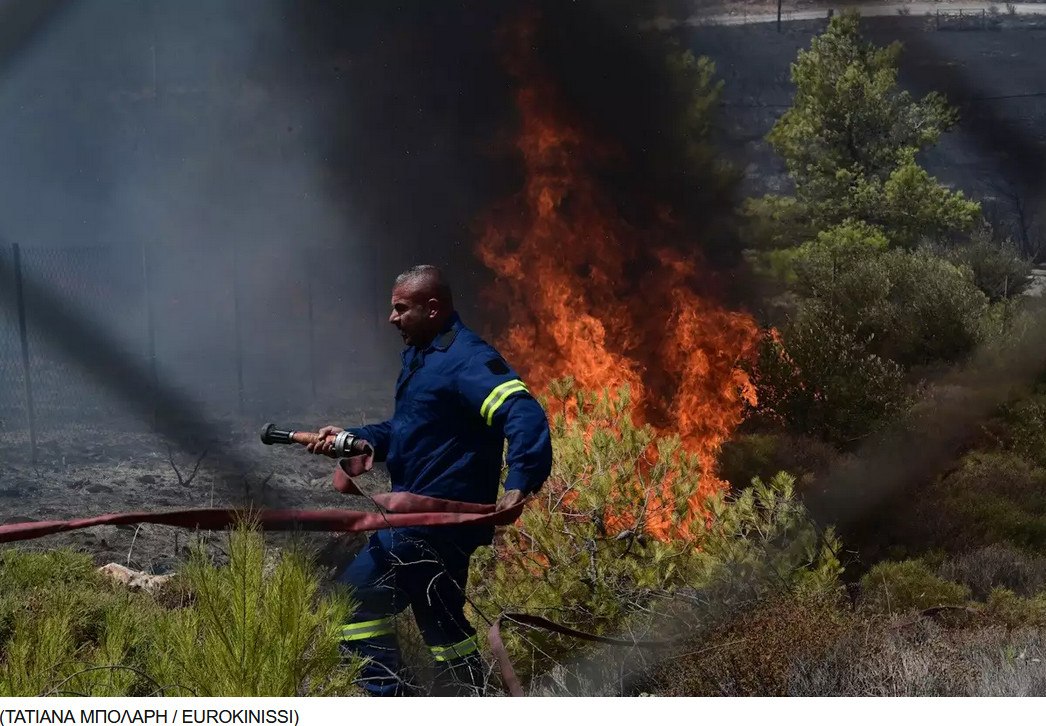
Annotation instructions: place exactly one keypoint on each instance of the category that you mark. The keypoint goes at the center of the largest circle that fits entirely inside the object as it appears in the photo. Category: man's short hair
(432, 278)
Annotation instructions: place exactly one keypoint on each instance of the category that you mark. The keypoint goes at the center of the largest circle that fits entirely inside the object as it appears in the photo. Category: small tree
(849, 142)
(817, 377)
(910, 306)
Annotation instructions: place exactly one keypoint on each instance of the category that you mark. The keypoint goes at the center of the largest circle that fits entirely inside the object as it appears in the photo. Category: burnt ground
(85, 471)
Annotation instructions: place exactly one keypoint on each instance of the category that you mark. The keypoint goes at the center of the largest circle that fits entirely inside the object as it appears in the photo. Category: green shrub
(817, 378)
(585, 554)
(1026, 421)
(1009, 609)
(912, 307)
(624, 521)
(67, 630)
(22, 570)
(998, 270)
(898, 587)
(64, 628)
(992, 497)
(251, 632)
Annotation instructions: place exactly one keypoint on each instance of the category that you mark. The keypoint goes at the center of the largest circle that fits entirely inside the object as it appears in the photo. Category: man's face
(412, 314)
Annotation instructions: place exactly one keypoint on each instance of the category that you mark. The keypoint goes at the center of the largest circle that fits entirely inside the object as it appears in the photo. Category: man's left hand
(509, 499)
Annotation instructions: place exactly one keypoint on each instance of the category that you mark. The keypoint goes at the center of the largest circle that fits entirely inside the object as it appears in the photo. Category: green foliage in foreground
(255, 626)
(624, 523)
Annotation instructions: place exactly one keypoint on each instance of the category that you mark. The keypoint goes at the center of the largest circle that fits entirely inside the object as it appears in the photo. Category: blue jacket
(456, 402)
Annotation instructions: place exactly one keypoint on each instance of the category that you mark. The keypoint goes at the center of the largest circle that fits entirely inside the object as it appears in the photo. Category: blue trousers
(400, 568)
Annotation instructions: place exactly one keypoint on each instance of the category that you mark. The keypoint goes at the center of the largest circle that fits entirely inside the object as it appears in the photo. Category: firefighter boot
(460, 677)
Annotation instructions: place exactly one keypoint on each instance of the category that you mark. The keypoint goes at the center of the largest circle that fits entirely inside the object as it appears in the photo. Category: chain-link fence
(932, 15)
(240, 333)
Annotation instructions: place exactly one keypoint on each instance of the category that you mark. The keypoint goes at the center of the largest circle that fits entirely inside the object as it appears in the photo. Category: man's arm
(498, 395)
(529, 457)
(377, 435)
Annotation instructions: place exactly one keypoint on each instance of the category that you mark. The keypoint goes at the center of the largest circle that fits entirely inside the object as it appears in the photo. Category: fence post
(779, 15)
(236, 325)
(23, 334)
(150, 329)
(312, 334)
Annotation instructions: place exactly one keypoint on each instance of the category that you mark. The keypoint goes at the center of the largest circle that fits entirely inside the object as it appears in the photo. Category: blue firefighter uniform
(456, 402)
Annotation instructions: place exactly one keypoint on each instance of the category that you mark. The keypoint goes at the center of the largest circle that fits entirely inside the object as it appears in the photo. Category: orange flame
(592, 296)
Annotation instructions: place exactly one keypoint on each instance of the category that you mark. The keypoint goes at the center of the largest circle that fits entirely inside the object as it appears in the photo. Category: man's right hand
(324, 444)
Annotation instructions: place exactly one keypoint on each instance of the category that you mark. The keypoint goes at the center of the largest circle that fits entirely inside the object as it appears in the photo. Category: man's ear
(435, 308)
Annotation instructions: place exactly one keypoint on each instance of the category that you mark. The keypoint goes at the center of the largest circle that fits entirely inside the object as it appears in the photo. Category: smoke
(253, 174)
(901, 461)
(618, 80)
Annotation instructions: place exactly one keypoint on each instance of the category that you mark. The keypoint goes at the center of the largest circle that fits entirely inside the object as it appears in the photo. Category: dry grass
(755, 654)
(984, 569)
(925, 658)
(803, 645)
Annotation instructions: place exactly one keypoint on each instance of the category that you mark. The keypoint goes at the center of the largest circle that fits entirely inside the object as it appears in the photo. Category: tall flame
(592, 296)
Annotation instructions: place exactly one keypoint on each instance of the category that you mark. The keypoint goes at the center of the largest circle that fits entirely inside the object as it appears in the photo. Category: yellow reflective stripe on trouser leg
(457, 650)
(367, 629)
(498, 396)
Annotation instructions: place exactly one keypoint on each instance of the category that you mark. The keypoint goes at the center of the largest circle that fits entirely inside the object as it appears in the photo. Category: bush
(252, 633)
(1026, 422)
(998, 270)
(1006, 607)
(911, 307)
(625, 521)
(898, 587)
(65, 629)
(864, 316)
(992, 497)
(819, 379)
(999, 565)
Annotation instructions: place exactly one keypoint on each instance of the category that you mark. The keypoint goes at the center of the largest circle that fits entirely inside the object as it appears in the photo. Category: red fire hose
(397, 509)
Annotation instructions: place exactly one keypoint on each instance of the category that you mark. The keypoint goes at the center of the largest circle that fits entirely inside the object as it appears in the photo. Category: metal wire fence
(241, 333)
(932, 16)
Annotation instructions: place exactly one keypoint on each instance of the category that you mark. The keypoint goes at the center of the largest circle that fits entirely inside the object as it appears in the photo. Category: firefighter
(457, 401)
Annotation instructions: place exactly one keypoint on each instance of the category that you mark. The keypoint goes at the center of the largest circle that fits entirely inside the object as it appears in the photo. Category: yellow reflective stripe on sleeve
(367, 629)
(498, 396)
(458, 650)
